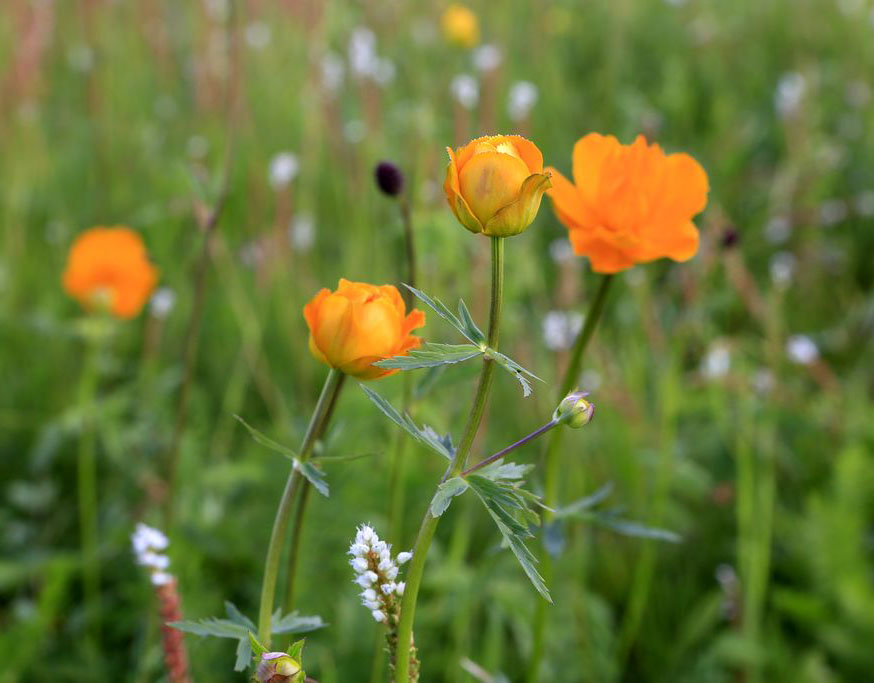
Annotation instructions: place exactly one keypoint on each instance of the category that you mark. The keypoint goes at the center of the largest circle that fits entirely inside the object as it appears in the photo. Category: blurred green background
(733, 393)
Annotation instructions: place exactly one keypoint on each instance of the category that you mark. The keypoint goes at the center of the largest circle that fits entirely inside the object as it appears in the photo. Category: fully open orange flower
(629, 204)
(108, 268)
(359, 324)
(494, 184)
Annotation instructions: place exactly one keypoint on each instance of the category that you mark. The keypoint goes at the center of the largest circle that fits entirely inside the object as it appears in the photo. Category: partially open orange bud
(108, 269)
(359, 324)
(494, 184)
(460, 26)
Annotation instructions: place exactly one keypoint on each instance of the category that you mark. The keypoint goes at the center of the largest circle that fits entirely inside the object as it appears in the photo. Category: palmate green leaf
(445, 493)
(514, 369)
(432, 355)
(426, 435)
(295, 623)
(211, 626)
(309, 471)
(463, 324)
(506, 505)
(236, 616)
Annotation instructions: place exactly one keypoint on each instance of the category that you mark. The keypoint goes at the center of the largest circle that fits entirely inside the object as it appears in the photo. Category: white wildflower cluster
(560, 329)
(364, 60)
(522, 98)
(284, 168)
(465, 90)
(148, 544)
(376, 574)
(802, 350)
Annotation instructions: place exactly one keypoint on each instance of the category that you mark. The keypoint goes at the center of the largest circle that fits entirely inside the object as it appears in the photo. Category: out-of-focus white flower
(832, 212)
(801, 349)
(561, 251)
(560, 328)
(590, 380)
(487, 58)
(522, 98)
(777, 229)
(284, 167)
(332, 70)
(404, 557)
(864, 203)
(354, 131)
(147, 543)
(763, 381)
(302, 232)
(384, 71)
(362, 51)
(717, 362)
(258, 35)
(789, 94)
(465, 90)
(162, 302)
(782, 269)
(198, 146)
(81, 58)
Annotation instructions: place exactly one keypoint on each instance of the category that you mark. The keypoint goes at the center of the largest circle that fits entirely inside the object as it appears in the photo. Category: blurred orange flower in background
(108, 268)
(359, 324)
(494, 184)
(629, 204)
(460, 26)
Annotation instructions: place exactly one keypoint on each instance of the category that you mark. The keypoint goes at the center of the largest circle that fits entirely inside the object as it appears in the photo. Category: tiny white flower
(366, 534)
(789, 94)
(363, 580)
(388, 588)
(154, 560)
(465, 90)
(358, 549)
(371, 604)
(283, 169)
(258, 35)
(162, 302)
(399, 588)
(385, 564)
(362, 51)
(404, 557)
(369, 594)
(487, 58)
(717, 362)
(332, 72)
(359, 564)
(522, 98)
(379, 615)
(782, 269)
(560, 328)
(802, 349)
(392, 573)
(161, 578)
(379, 547)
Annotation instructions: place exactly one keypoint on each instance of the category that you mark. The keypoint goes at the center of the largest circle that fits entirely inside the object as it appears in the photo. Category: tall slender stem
(512, 447)
(87, 488)
(551, 478)
(302, 499)
(429, 522)
(286, 503)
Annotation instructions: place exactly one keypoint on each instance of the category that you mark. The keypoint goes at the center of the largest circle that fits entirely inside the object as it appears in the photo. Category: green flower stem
(302, 499)
(333, 382)
(87, 486)
(429, 522)
(512, 447)
(551, 477)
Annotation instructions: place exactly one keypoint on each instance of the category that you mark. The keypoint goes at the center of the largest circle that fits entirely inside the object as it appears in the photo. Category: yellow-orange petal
(529, 153)
(590, 154)
(491, 181)
(515, 217)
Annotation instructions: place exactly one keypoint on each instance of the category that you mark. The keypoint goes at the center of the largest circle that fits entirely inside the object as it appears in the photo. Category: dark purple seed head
(389, 178)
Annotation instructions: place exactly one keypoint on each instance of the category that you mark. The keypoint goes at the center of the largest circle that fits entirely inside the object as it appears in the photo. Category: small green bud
(278, 667)
(575, 410)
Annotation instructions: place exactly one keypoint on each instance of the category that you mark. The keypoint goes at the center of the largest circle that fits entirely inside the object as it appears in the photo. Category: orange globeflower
(494, 184)
(359, 324)
(109, 268)
(460, 26)
(629, 203)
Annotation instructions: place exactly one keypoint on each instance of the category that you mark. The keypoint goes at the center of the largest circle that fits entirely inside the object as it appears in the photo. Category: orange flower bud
(109, 268)
(494, 184)
(359, 324)
(629, 203)
(460, 26)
